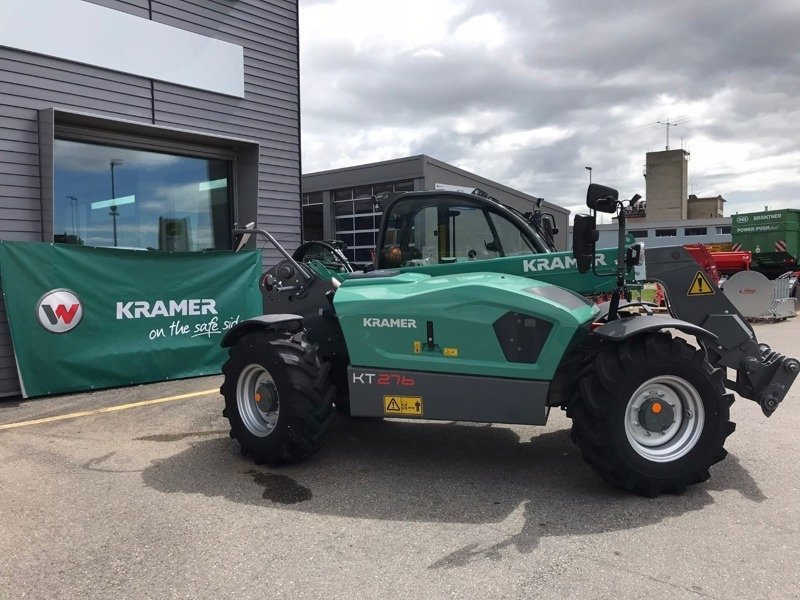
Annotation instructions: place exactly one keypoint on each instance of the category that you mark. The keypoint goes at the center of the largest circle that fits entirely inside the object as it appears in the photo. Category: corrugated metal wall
(268, 114)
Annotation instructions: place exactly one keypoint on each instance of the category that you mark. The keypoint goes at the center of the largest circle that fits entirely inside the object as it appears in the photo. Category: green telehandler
(471, 315)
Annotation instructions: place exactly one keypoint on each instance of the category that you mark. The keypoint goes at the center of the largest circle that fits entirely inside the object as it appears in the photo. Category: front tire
(651, 415)
(278, 396)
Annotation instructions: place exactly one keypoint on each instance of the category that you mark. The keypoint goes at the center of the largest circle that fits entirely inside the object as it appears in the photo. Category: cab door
(436, 228)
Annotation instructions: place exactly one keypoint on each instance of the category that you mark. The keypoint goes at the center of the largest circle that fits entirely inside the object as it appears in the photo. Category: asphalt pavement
(155, 501)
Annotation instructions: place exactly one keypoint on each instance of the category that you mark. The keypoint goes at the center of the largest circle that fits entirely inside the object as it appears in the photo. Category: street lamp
(590, 173)
(115, 162)
(75, 216)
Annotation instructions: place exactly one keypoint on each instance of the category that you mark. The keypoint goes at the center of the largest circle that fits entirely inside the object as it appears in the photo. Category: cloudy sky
(529, 92)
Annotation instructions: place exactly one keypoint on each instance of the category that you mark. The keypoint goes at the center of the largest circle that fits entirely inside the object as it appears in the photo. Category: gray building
(703, 208)
(667, 175)
(337, 205)
(147, 124)
(668, 233)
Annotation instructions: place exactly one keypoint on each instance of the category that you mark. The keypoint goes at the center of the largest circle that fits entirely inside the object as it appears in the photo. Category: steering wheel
(328, 254)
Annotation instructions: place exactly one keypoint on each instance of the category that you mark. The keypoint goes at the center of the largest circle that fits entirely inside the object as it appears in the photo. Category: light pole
(115, 162)
(590, 173)
(75, 217)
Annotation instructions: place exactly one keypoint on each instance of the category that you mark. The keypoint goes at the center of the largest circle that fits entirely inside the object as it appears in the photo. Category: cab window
(447, 231)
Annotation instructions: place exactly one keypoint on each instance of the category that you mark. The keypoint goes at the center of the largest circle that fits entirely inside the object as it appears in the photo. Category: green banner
(87, 318)
(772, 220)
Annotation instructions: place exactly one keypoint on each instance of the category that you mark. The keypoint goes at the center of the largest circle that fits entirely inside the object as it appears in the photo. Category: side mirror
(549, 225)
(602, 198)
(584, 237)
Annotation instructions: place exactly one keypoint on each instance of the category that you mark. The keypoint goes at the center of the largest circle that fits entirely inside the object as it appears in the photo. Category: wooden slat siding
(269, 34)
(21, 214)
(17, 236)
(134, 7)
(10, 168)
(28, 196)
(192, 109)
(12, 203)
(9, 384)
(20, 158)
(269, 113)
(17, 71)
(33, 228)
(9, 388)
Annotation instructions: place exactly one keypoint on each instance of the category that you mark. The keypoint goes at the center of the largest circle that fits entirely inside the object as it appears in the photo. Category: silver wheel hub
(664, 418)
(257, 400)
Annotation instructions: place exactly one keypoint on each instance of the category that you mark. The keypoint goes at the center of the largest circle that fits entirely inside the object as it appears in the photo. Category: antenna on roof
(668, 125)
(674, 122)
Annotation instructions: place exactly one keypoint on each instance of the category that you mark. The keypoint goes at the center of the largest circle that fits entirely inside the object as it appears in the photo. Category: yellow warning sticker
(403, 405)
(451, 351)
(417, 347)
(700, 286)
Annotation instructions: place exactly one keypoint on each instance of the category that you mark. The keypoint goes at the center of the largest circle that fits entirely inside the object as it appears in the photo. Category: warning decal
(700, 286)
(403, 405)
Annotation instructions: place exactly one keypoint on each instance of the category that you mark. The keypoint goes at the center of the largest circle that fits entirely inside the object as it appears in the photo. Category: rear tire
(278, 396)
(651, 415)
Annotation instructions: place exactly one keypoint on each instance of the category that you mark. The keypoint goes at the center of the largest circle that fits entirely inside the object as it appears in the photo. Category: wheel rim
(664, 418)
(257, 399)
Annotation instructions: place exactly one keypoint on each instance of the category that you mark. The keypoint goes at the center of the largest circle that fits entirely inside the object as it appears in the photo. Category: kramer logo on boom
(557, 263)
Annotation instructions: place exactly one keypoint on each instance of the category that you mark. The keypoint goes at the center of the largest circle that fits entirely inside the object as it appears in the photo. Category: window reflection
(113, 196)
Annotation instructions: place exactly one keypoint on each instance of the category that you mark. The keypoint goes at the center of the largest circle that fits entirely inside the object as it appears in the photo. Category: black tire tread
(598, 391)
(306, 398)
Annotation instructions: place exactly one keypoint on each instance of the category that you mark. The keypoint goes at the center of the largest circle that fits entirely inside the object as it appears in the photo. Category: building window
(404, 186)
(724, 229)
(666, 232)
(358, 218)
(312, 198)
(640, 233)
(313, 217)
(696, 231)
(129, 198)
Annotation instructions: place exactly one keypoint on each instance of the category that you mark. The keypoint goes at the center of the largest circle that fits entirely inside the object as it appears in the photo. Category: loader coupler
(767, 377)
(447, 397)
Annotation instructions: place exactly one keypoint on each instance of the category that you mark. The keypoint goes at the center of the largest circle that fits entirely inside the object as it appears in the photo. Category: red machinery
(705, 259)
(729, 263)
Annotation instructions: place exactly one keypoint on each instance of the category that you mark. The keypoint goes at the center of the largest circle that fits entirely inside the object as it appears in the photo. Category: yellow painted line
(108, 409)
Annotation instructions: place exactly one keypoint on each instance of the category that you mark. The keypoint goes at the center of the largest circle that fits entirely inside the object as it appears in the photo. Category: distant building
(705, 208)
(336, 203)
(667, 185)
(668, 233)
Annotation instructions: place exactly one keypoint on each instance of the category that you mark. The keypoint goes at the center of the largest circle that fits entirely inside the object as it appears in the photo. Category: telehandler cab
(472, 316)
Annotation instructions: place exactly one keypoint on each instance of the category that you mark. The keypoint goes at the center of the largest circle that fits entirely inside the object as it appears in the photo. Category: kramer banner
(87, 318)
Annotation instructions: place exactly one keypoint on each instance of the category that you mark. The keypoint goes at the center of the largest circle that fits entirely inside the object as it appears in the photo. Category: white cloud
(530, 138)
(484, 30)
(529, 92)
(383, 27)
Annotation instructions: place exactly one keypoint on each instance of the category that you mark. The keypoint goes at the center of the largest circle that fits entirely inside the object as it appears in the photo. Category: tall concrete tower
(667, 185)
